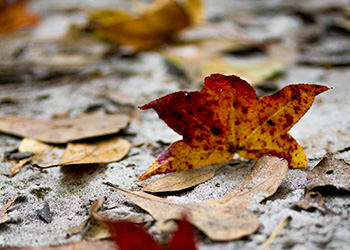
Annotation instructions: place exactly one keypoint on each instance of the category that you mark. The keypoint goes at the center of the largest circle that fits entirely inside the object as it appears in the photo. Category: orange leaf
(225, 118)
(156, 25)
(14, 15)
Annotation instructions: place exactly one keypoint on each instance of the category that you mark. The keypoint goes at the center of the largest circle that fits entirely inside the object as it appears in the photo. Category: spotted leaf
(227, 117)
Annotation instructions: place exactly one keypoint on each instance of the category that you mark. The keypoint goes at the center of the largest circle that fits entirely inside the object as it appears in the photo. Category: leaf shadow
(78, 176)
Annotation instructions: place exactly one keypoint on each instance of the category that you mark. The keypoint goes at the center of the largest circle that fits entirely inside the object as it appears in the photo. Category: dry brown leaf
(264, 180)
(105, 151)
(218, 221)
(92, 228)
(46, 156)
(180, 180)
(82, 245)
(216, 39)
(313, 200)
(156, 25)
(329, 172)
(4, 209)
(43, 154)
(224, 219)
(63, 130)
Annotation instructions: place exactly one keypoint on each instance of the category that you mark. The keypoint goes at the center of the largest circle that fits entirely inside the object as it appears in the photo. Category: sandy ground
(71, 191)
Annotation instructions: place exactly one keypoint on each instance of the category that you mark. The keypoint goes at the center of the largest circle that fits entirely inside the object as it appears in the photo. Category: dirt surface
(37, 84)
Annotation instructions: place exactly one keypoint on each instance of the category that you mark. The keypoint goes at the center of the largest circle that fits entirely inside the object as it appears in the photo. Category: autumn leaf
(4, 209)
(227, 218)
(14, 15)
(156, 25)
(63, 130)
(131, 236)
(225, 118)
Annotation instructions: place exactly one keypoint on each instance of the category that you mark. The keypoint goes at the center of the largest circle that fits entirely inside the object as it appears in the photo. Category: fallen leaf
(179, 181)
(47, 156)
(81, 245)
(38, 152)
(264, 180)
(216, 39)
(92, 228)
(224, 219)
(16, 167)
(131, 236)
(329, 172)
(63, 130)
(14, 15)
(225, 118)
(313, 200)
(156, 25)
(105, 151)
(128, 236)
(252, 71)
(4, 209)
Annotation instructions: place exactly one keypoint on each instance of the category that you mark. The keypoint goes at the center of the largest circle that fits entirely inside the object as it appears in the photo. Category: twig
(275, 233)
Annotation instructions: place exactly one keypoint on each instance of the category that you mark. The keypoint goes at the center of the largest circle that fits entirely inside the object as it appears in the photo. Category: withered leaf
(329, 172)
(179, 180)
(81, 245)
(14, 15)
(217, 221)
(225, 118)
(264, 180)
(313, 200)
(92, 228)
(105, 151)
(224, 219)
(4, 209)
(63, 130)
(156, 25)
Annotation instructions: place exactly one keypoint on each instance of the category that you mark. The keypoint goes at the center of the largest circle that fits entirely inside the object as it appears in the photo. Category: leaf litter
(329, 172)
(180, 180)
(158, 24)
(103, 151)
(224, 219)
(63, 130)
(4, 217)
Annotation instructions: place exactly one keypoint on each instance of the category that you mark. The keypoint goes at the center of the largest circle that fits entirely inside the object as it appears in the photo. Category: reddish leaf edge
(129, 235)
(165, 157)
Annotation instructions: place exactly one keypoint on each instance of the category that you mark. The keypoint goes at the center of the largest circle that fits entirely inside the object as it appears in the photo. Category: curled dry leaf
(14, 15)
(180, 180)
(224, 219)
(105, 151)
(4, 209)
(264, 180)
(41, 153)
(98, 152)
(225, 118)
(63, 130)
(313, 200)
(92, 228)
(329, 172)
(156, 25)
